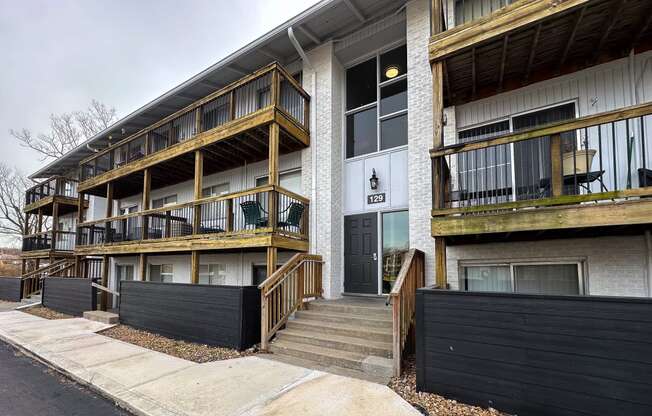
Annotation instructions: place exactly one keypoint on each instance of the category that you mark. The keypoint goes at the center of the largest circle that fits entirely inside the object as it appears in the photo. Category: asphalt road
(28, 388)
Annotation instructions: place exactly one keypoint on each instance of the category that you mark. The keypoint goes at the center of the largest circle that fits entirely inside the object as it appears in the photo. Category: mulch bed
(190, 351)
(46, 313)
(429, 403)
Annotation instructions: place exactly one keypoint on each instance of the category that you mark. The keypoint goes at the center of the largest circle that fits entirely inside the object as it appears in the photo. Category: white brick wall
(420, 131)
(615, 266)
(326, 137)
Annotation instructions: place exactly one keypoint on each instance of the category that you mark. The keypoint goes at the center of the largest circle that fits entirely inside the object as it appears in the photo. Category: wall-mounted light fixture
(373, 181)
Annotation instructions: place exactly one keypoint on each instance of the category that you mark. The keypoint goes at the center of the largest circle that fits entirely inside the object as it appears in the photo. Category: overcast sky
(58, 55)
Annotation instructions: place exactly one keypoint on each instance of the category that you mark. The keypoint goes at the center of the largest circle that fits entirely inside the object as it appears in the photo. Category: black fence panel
(227, 316)
(536, 355)
(10, 288)
(72, 296)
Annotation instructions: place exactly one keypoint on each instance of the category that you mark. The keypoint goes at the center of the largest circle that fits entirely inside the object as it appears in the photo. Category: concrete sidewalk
(151, 383)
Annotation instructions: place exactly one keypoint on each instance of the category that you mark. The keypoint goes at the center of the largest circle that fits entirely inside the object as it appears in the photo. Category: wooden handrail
(403, 300)
(548, 130)
(50, 179)
(285, 291)
(105, 289)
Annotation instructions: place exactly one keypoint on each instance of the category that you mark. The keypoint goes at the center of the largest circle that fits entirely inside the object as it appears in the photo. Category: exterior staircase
(351, 336)
(33, 280)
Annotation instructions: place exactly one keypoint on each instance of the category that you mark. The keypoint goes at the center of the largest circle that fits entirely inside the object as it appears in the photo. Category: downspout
(313, 134)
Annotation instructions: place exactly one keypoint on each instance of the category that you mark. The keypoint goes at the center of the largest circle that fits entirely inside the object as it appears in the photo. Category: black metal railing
(62, 241)
(262, 209)
(603, 160)
(55, 186)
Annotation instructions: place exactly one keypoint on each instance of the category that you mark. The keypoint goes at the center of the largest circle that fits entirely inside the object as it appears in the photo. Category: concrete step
(102, 317)
(346, 372)
(373, 334)
(339, 342)
(364, 321)
(369, 364)
(360, 308)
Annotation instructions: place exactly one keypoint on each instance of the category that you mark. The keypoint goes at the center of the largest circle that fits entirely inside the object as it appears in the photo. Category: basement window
(532, 278)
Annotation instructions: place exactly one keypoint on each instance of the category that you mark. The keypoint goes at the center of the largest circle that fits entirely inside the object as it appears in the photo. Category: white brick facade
(326, 138)
(420, 131)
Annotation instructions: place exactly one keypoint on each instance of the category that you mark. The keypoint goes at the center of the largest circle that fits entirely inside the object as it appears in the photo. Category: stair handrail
(43, 269)
(285, 291)
(32, 282)
(403, 300)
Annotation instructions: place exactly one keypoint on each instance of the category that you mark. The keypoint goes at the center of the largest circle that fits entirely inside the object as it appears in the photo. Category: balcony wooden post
(229, 215)
(557, 176)
(439, 175)
(80, 208)
(273, 178)
(109, 212)
(39, 221)
(194, 267)
(105, 282)
(276, 86)
(147, 187)
(142, 267)
(55, 225)
(272, 253)
(199, 184)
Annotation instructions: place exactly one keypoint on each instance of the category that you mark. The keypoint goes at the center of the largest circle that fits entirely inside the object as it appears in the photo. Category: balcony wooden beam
(553, 218)
(517, 15)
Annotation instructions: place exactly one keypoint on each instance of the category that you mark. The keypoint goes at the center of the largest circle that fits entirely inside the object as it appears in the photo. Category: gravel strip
(46, 313)
(190, 351)
(429, 403)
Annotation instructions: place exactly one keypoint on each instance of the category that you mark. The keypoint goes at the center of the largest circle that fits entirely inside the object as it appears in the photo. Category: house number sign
(376, 198)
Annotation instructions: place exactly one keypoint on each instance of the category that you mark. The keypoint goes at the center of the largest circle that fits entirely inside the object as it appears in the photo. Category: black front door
(360, 254)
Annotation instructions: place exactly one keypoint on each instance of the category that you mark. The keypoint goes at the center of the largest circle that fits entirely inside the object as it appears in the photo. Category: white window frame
(170, 274)
(120, 268)
(164, 199)
(221, 275)
(211, 188)
(582, 275)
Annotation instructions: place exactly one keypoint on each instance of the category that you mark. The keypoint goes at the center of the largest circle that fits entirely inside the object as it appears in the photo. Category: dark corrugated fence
(10, 288)
(69, 295)
(537, 355)
(226, 316)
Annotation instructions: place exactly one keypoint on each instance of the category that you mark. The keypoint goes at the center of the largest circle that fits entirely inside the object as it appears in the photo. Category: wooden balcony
(586, 176)
(48, 243)
(59, 189)
(231, 127)
(266, 216)
(493, 50)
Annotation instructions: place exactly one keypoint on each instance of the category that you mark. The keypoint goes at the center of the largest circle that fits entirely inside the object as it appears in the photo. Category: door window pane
(288, 180)
(393, 132)
(396, 243)
(393, 98)
(488, 279)
(125, 272)
(393, 64)
(361, 84)
(547, 279)
(361, 133)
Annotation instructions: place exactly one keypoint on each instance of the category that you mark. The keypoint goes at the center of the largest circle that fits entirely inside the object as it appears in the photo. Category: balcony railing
(259, 210)
(55, 186)
(601, 157)
(270, 87)
(62, 241)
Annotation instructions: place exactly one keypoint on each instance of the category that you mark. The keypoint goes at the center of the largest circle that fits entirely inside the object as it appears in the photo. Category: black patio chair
(254, 214)
(294, 214)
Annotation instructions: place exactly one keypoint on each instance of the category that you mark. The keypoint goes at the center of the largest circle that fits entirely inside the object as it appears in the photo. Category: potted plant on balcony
(576, 162)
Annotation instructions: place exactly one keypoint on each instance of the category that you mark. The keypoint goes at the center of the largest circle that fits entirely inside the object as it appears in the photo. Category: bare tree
(13, 184)
(67, 130)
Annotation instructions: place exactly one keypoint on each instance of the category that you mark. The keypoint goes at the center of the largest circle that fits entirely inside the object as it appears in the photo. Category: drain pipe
(313, 134)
